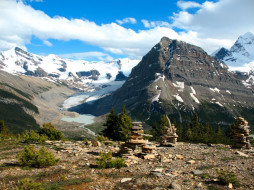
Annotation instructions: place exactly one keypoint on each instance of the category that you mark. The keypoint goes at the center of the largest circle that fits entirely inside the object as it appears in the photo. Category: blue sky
(109, 29)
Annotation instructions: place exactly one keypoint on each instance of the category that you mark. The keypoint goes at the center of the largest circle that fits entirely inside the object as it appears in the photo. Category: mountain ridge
(177, 78)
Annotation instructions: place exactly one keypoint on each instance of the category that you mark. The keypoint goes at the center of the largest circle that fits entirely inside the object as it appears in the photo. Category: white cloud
(19, 22)
(212, 26)
(47, 43)
(153, 24)
(184, 5)
(127, 20)
(88, 55)
(222, 20)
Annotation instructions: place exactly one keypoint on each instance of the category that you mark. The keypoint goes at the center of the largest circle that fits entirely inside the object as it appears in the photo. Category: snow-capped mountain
(52, 67)
(239, 58)
(177, 78)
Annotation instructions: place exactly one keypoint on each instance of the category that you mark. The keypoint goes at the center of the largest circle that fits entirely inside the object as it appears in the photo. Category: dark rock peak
(92, 74)
(221, 53)
(120, 76)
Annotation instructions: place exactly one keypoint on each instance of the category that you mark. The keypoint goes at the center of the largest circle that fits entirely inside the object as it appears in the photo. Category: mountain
(240, 58)
(178, 78)
(78, 73)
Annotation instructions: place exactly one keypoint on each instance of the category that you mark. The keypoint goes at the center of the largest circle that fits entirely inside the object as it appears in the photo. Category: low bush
(50, 131)
(26, 184)
(101, 138)
(106, 161)
(36, 158)
(33, 137)
(228, 177)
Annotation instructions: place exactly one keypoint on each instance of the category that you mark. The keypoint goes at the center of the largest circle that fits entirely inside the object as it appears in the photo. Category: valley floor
(76, 169)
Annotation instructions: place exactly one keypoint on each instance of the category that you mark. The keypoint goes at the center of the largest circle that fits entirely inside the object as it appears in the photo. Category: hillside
(185, 166)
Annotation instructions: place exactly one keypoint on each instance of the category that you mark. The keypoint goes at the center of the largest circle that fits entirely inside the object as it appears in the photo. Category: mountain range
(177, 79)
(173, 78)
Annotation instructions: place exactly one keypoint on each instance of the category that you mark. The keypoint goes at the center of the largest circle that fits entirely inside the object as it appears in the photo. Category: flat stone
(197, 172)
(157, 170)
(180, 157)
(242, 154)
(157, 174)
(230, 186)
(125, 180)
(175, 186)
(191, 162)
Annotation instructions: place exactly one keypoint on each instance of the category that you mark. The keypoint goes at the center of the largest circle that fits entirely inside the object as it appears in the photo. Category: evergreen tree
(111, 125)
(158, 128)
(117, 126)
(124, 124)
(4, 131)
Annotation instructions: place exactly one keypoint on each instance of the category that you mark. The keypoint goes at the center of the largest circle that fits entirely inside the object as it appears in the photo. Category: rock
(96, 143)
(242, 154)
(230, 186)
(157, 172)
(175, 186)
(149, 157)
(197, 172)
(179, 157)
(199, 185)
(191, 162)
(125, 180)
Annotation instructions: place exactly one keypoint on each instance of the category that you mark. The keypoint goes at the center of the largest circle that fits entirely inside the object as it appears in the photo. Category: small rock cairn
(137, 146)
(241, 134)
(169, 137)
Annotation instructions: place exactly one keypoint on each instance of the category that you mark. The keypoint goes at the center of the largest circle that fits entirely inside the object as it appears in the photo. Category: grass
(96, 127)
(207, 167)
(67, 182)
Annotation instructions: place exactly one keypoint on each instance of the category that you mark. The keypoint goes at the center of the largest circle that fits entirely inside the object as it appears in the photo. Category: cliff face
(178, 78)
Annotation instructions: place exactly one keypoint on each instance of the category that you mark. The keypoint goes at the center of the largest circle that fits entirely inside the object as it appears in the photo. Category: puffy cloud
(224, 19)
(153, 24)
(127, 20)
(212, 26)
(88, 55)
(19, 22)
(184, 5)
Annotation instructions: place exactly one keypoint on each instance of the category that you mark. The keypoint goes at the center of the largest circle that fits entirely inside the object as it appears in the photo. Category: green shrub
(50, 131)
(228, 177)
(33, 137)
(101, 138)
(106, 161)
(26, 184)
(34, 158)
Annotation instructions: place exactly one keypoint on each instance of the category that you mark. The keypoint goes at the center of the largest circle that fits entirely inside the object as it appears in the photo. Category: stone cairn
(169, 137)
(137, 146)
(241, 134)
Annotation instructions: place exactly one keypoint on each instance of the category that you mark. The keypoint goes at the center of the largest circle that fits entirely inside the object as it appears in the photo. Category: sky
(111, 29)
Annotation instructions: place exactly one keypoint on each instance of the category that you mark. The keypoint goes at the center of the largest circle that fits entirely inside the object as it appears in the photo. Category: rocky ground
(185, 166)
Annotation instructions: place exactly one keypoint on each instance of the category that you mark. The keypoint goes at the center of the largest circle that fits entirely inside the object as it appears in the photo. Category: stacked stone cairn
(169, 137)
(137, 146)
(241, 134)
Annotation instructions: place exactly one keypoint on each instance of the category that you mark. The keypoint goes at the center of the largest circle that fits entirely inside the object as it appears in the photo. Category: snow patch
(179, 85)
(178, 98)
(193, 91)
(156, 98)
(227, 91)
(215, 90)
(194, 98)
(219, 104)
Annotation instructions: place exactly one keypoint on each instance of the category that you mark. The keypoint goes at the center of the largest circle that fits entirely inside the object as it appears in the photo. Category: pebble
(125, 180)
(197, 172)
(175, 186)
